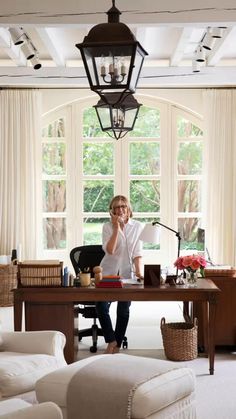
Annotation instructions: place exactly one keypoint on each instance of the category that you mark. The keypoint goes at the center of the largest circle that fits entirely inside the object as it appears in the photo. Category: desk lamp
(151, 234)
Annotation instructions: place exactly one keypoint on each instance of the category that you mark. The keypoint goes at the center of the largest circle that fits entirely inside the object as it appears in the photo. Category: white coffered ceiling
(169, 30)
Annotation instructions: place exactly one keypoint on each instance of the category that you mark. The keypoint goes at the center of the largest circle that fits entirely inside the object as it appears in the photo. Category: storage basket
(40, 274)
(8, 282)
(179, 340)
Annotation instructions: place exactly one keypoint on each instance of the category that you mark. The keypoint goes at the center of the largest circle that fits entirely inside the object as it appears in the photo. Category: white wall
(188, 98)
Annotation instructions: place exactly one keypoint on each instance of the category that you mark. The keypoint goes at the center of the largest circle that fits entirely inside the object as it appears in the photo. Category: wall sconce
(112, 56)
(117, 118)
(18, 36)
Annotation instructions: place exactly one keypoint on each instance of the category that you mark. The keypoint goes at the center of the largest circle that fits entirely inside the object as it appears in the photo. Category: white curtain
(220, 169)
(20, 129)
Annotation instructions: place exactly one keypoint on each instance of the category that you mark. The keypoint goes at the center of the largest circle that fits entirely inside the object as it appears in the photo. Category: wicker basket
(8, 282)
(179, 340)
(40, 274)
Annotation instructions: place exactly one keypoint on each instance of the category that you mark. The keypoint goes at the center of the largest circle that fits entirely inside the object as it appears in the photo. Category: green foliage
(147, 123)
(144, 158)
(186, 129)
(91, 126)
(98, 158)
(190, 158)
(97, 195)
(53, 158)
(145, 195)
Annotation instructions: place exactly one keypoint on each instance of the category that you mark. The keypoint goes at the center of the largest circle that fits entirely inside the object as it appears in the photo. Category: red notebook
(112, 284)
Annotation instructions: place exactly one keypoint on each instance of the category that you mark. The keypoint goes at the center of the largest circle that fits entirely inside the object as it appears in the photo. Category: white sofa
(20, 409)
(25, 357)
(171, 394)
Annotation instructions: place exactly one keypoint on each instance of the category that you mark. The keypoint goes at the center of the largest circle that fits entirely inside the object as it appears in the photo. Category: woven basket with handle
(8, 282)
(179, 340)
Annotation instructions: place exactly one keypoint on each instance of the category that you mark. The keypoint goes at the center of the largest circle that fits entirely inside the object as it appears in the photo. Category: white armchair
(25, 357)
(19, 409)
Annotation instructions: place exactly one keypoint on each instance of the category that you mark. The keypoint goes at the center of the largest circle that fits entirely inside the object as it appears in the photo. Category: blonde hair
(122, 198)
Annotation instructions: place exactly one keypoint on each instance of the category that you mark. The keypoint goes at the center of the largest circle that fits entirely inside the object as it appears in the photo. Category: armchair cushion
(26, 357)
(19, 409)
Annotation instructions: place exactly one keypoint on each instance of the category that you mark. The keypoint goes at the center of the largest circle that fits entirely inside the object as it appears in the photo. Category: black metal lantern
(117, 118)
(112, 56)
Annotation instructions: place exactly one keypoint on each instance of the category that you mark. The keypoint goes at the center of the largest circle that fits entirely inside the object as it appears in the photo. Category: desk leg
(18, 305)
(211, 332)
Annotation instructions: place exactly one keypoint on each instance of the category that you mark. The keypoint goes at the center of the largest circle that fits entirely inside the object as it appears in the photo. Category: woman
(123, 254)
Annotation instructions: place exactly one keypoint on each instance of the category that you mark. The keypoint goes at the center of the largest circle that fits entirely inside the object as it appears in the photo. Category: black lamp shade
(112, 56)
(117, 118)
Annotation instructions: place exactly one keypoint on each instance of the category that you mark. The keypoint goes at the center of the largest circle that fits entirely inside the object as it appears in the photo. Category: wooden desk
(53, 308)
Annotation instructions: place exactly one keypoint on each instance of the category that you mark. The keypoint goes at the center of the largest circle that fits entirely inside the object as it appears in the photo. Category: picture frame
(152, 275)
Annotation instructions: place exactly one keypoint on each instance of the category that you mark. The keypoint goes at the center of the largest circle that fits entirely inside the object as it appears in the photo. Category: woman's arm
(138, 266)
(112, 242)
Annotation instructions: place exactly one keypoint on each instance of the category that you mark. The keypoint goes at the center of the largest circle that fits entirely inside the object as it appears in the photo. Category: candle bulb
(103, 70)
(111, 68)
(123, 70)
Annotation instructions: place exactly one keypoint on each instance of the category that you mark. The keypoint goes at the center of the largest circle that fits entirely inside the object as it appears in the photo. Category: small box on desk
(40, 273)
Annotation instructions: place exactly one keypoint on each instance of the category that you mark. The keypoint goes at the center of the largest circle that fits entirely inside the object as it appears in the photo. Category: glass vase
(192, 278)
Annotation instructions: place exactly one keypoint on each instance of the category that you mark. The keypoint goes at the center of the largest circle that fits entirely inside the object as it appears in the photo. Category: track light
(217, 32)
(200, 54)
(208, 41)
(28, 50)
(35, 62)
(196, 66)
(18, 35)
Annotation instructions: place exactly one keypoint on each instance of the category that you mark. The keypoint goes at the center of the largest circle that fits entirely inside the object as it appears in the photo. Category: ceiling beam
(180, 47)
(48, 38)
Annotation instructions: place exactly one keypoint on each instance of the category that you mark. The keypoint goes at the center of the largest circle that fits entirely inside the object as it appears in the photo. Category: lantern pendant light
(112, 56)
(117, 118)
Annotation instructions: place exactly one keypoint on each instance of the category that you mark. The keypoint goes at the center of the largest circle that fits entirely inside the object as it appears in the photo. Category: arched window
(158, 166)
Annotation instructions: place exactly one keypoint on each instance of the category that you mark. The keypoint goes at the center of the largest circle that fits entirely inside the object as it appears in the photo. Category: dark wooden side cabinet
(225, 323)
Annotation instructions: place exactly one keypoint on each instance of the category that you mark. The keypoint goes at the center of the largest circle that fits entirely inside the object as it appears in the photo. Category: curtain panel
(220, 171)
(20, 131)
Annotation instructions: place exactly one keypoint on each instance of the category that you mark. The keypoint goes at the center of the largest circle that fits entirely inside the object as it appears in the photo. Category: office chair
(82, 257)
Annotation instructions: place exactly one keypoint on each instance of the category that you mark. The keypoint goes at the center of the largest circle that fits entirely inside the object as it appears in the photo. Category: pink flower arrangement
(191, 263)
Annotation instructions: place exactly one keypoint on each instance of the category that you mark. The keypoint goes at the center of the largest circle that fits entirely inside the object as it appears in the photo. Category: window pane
(54, 161)
(54, 233)
(91, 126)
(98, 159)
(54, 129)
(147, 123)
(186, 129)
(190, 158)
(97, 195)
(187, 228)
(54, 195)
(92, 228)
(189, 195)
(144, 158)
(145, 195)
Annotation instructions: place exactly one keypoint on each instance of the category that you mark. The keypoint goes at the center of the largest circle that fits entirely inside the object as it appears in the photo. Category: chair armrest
(47, 410)
(36, 342)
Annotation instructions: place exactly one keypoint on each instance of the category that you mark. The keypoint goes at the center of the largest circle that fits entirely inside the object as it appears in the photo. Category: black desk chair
(82, 257)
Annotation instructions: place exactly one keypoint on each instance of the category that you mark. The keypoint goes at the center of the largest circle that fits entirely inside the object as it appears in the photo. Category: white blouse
(128, 247)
